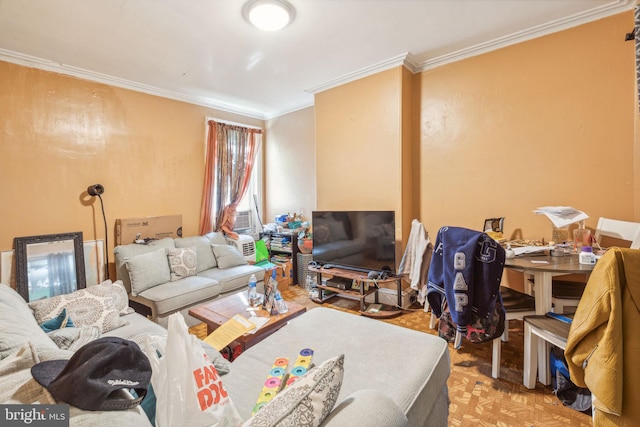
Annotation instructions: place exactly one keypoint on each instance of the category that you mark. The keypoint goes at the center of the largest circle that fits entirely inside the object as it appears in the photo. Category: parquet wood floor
(476, 398)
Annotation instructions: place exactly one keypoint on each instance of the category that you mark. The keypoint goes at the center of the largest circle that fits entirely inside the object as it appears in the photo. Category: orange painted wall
(358, 149)
(60, 134)
(545, 122)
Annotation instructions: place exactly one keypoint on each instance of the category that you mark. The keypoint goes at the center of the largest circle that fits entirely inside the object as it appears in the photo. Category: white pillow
(148, 270)
(228, 256)
(310, 398)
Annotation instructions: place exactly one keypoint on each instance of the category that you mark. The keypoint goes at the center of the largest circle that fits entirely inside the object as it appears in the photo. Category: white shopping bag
(188, 388)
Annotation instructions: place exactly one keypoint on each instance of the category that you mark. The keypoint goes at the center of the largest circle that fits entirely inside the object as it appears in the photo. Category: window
(253, 196)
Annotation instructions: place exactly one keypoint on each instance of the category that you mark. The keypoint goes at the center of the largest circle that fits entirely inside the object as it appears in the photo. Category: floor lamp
(97, 190)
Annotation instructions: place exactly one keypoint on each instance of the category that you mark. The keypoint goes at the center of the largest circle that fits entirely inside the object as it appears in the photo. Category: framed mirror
(49, 265)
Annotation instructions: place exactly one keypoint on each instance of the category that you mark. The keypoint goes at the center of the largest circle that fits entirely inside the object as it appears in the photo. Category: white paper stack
(561, 216)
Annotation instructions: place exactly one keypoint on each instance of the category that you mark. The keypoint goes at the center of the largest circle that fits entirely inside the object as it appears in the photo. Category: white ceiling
(204, 52)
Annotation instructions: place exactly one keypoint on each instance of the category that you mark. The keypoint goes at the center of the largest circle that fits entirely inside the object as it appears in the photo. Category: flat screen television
(356, 240)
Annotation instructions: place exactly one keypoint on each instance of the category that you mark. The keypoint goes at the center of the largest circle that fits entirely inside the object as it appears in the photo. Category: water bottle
(253, 292)
(280, 304)
(307, 283)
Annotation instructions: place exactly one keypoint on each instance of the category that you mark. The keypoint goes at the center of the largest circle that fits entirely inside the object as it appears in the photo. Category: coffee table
(215, 313)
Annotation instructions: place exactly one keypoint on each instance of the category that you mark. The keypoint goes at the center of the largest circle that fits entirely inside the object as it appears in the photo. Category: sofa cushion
(307, 401)
(124, 252)
(183, 262)
(17, 324)
(216, 238)
(83, 306)
(173, 296)
(148, 270)
(234, 277)
(202, 246)
(228, 256)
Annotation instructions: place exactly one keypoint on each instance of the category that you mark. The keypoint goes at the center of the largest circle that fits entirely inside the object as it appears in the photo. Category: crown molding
(404, 59)
(612, 8)
(407, 59)
(47, 65)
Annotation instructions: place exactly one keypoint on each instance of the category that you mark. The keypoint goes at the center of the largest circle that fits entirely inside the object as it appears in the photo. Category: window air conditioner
(243, 221)
(246, 245)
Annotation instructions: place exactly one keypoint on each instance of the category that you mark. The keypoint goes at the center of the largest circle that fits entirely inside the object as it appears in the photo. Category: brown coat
(603, 349)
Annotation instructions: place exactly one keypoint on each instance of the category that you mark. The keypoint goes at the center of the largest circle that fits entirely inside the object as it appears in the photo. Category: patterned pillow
(116, 291)
(183, 262)
(83, 306)
(306, 402)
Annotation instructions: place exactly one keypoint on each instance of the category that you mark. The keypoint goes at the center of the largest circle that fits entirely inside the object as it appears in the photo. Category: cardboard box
(284, 275)
(151, 227)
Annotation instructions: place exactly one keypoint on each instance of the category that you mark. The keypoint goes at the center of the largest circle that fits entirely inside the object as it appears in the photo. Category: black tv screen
(358, 240)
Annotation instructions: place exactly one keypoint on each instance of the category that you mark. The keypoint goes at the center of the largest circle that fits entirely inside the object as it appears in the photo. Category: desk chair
(550, 330)
(609, 232)
(517, 305)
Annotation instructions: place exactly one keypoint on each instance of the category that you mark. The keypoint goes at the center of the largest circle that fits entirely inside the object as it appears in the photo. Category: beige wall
(59, 134)
(545, 122)
(358, 144)
(290, 179)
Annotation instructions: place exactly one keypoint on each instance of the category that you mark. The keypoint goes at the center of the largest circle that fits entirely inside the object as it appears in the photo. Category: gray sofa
(393, 376)
(147, 275)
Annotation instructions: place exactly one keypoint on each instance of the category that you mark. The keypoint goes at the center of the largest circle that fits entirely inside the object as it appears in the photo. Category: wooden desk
(544, 269)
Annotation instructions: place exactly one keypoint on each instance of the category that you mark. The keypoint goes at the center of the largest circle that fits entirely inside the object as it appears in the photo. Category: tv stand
(364, 288)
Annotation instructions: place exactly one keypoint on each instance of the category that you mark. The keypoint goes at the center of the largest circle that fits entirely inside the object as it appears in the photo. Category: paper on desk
(561, 216)
(529, 249)
(229, 332)
(258, 323)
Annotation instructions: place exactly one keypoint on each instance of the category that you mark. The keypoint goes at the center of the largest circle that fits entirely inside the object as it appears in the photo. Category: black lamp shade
(95, 190)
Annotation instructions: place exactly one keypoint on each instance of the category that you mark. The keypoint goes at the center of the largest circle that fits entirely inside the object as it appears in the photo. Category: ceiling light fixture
(269, 15)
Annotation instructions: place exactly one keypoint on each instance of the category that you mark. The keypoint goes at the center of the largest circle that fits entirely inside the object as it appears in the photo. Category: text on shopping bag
(210, 389)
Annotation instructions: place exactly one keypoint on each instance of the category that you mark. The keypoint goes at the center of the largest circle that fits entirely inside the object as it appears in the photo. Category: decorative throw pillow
(307, 401)
(202, 246)
(116, 291)
(228, 256)
(183, 262)
(148, 270)
(62, 320)
(84, 307)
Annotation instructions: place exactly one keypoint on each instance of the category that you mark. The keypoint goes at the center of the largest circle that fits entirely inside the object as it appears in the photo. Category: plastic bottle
(253, 292)
(587, 256)
(280, 304)
(307, 283)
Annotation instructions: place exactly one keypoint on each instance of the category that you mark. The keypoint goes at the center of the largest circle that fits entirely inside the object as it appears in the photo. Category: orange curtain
(230, 158)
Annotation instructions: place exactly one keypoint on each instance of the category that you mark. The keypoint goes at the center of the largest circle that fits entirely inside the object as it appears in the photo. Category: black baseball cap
(95, 375)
